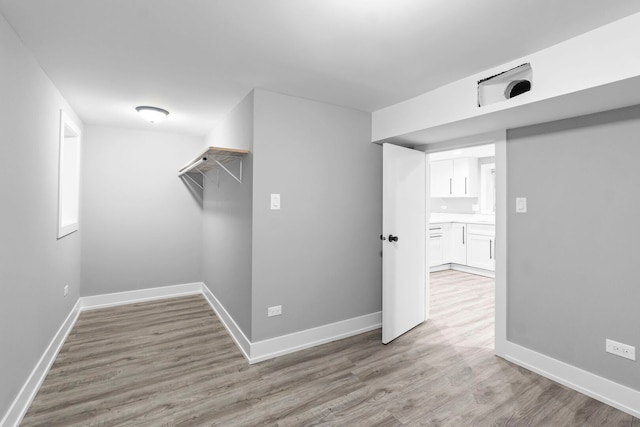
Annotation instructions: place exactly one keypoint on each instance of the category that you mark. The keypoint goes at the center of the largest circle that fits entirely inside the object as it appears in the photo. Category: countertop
(439, 218)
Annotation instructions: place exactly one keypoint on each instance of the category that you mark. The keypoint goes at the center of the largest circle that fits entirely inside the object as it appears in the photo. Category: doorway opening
(406, 299)
(462, 241)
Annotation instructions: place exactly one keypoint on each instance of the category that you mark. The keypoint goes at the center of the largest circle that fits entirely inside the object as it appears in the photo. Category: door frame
(499, 138)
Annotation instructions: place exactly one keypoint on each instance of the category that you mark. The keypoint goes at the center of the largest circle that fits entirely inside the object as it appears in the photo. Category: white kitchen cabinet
(481, 246)
(454, 178)
(480, 252)
(458, 241)
(438, 244)
(463, 245)
(465, 177)
(436, 250)
(441, 178)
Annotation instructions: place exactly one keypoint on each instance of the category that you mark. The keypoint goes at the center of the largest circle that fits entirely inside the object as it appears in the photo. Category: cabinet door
(465, 177)
(458, 243)
(446, 243)
(436, 250)
(480, 251)
(441, 178)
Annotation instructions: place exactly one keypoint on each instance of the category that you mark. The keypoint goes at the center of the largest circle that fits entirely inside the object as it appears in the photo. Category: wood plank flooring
(171, 362)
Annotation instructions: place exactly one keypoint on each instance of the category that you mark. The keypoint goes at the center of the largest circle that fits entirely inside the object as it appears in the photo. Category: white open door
(404, 219)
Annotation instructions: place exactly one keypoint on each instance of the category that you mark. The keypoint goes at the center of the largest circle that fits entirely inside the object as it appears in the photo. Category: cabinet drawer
(435, 229)
(481, 230)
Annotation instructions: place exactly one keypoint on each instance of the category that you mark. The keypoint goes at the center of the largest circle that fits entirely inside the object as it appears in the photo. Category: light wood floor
(171, 362)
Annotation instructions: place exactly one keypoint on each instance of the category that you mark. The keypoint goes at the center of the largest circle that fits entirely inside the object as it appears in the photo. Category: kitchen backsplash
(454, 205)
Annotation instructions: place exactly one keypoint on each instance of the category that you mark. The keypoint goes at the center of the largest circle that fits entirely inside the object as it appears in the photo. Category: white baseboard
(464, 269)
(260, 351)
(619, 396)
(270, 348)
(140, 295)
(21, 403)
(230, 325)
(473, 270)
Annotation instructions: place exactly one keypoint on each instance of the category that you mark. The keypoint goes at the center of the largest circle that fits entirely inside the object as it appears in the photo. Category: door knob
(382, 237)
(393, 238)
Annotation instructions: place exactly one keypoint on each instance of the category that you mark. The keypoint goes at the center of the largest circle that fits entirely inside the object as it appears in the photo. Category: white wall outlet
(65, 290)
(521, 204)
(275, 202)
(276, 310)
(619, 349)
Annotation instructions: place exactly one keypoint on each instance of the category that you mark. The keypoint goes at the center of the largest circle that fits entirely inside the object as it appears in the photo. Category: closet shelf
(214, 158)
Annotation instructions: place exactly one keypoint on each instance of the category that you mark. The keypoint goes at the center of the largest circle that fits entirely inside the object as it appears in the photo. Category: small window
(68, 177)
(488, 188)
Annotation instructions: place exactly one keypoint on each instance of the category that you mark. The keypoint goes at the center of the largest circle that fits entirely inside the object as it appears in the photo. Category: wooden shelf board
(223, 155)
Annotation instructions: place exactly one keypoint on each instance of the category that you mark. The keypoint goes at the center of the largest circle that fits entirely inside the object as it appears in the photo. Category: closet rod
(193, 166)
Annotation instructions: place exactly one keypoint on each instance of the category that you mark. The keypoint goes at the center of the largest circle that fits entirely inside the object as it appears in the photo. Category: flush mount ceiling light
(152, 114)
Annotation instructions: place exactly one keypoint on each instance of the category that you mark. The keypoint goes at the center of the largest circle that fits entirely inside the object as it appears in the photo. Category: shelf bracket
(239, 179)
(192, 168)
(196, 183)
(214, 158)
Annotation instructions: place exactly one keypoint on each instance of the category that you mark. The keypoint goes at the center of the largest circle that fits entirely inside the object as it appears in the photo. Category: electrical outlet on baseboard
(276, 310)
(620, 349)
(65, 290)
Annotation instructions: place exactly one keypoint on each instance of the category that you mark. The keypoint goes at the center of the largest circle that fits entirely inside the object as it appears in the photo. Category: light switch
(275, 202)
(521, 204)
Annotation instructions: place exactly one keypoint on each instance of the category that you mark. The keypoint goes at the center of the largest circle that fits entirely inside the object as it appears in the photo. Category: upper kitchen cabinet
(465, 177)
(454, 178)
(442, 178)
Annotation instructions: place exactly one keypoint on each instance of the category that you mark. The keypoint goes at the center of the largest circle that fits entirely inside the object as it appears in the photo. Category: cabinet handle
(463, 235)
(490, 250)
(465, 186)
(450, 186)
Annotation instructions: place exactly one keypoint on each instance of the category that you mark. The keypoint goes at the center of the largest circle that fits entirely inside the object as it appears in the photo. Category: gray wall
(34, 264)
(319, 256)
(142, 224)
(572, 265)
(226, 247)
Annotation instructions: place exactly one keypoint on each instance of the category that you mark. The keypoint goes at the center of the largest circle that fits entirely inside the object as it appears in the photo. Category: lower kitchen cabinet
(480, 251)
(458, 243)
(471, 245)
(438, 244)
(436, 250)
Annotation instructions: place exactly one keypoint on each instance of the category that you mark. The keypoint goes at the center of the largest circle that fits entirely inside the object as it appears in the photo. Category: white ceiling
(199, 58)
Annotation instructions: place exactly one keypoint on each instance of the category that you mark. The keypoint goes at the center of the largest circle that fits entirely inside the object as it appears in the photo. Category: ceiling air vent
(505, 85)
